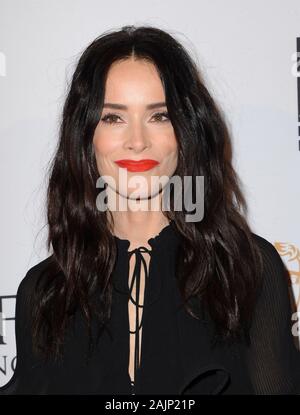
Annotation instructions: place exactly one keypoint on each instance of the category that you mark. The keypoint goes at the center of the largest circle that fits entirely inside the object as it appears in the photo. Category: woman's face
(134, 131)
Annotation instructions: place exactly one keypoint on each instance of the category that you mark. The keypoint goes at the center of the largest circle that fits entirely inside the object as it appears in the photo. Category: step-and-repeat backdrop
(249, 53)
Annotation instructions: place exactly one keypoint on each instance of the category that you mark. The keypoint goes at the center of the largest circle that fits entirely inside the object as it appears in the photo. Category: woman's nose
(138, 138)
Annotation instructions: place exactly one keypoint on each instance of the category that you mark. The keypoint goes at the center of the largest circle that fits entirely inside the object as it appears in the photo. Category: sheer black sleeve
(272, 358)
(23, 376)
(21, 338)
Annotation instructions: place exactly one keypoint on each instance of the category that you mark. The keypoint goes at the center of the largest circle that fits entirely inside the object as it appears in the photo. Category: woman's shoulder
(276, 278)
(28, 282)
(271, 258)
(265, 246)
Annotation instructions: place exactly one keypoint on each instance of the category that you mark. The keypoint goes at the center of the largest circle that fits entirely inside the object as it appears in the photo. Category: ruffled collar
(167, 235)
(164, 248)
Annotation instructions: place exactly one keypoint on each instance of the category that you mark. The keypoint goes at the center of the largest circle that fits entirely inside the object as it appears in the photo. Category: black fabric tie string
(136, 278)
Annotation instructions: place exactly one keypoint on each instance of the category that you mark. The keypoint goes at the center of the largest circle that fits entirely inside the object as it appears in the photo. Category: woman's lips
(134, 166)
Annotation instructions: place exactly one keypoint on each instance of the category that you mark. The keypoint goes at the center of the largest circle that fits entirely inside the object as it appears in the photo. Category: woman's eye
(159, 115)
(110, 118)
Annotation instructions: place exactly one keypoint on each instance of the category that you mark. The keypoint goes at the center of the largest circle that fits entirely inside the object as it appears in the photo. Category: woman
(143, 301)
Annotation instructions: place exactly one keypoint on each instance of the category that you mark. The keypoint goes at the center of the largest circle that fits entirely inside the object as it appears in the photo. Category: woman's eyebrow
(124, 107)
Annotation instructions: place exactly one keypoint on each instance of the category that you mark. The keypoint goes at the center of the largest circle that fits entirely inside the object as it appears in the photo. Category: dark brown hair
(219, 263)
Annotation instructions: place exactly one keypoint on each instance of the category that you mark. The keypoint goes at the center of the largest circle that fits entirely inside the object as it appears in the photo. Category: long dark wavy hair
(219, 263)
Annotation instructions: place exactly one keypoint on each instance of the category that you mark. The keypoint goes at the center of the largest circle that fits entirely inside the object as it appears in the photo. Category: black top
(176, 354)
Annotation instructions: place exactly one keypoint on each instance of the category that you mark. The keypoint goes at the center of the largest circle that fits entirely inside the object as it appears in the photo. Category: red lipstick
(137, 165)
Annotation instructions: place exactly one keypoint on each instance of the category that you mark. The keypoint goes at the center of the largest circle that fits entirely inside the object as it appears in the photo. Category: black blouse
(176, 353)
